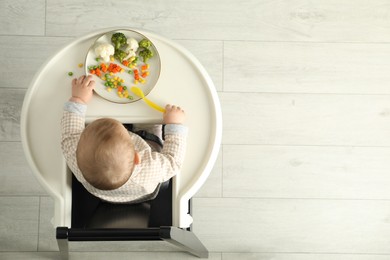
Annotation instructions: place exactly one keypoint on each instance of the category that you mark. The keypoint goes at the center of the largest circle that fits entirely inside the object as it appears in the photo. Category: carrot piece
(103, 67)
(109, 68)
(114, 68)
(120, 89)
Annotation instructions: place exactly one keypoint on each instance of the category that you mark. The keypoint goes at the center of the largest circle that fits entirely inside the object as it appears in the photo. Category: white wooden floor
(304, 168)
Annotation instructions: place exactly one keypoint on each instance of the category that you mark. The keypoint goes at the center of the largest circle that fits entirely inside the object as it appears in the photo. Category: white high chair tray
(183, 81)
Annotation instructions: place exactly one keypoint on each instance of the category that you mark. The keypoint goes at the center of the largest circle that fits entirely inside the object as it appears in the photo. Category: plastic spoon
(137, 91)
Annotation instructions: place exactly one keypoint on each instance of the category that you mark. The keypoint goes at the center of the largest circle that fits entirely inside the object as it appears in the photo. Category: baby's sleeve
(175, 142)
(173, 152)
(72, 125)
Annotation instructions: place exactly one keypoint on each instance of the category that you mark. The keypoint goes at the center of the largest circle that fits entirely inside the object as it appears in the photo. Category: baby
(112, 163)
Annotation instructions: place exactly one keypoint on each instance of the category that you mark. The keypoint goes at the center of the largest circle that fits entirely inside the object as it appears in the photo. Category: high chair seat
(96, 220)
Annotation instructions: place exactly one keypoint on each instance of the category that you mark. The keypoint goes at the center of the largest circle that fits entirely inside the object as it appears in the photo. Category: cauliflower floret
(104, 50)
(132, 45)
(130, 54)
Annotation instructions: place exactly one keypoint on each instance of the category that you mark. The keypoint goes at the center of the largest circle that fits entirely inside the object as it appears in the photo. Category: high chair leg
(184, 239)
(62, 241)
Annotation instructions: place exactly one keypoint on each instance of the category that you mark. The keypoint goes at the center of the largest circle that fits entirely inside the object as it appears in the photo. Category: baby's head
(105, 154)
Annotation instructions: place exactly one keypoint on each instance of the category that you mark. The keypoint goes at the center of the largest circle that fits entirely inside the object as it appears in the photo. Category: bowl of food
(119, 60)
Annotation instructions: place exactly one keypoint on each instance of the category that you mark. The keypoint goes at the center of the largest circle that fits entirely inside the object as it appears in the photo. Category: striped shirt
(155, 167)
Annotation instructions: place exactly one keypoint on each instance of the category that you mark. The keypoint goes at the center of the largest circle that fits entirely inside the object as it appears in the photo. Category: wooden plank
(104, 255)
(293, 225)
(22, 17)
(257, 171)
(295, 20)
(295, 119)
(16, 177)
(24, 59)
(280, 67)
(19, 223)
(10, 107)
(297, 256)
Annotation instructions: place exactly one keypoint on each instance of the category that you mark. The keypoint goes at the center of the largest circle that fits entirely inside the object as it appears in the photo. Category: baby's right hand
(173, 115)
(82, 89)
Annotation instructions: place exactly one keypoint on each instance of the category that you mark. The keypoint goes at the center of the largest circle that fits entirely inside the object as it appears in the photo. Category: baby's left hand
(82, 89)
(173, 115)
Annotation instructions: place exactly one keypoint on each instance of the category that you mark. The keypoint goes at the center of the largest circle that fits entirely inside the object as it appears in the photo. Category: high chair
(78, 216)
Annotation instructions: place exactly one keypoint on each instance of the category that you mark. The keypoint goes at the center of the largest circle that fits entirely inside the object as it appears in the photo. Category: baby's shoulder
(139, 143)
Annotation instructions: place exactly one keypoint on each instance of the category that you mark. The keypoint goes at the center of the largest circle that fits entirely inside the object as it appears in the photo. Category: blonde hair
(105, 154)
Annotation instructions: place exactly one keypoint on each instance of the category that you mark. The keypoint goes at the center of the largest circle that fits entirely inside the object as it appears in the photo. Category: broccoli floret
(146, 54)
(118, 39)
(120, 55)
(145, 43)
